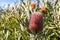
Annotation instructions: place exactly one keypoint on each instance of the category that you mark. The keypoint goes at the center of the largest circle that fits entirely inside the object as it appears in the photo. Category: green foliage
(14, 22)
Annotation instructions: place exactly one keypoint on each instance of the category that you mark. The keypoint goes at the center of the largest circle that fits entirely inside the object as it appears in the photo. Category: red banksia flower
(36, 22)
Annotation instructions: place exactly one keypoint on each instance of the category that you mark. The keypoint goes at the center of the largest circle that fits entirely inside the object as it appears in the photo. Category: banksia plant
(31, 21)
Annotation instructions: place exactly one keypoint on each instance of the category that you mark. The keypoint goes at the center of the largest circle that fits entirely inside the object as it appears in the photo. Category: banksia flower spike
(36, 22)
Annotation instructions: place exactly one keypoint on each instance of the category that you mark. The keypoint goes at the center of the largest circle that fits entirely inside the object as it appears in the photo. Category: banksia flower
(43, 8)
(36, 22)
(32, 5)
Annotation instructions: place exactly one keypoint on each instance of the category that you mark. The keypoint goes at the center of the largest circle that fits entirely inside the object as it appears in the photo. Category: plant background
(14, 21)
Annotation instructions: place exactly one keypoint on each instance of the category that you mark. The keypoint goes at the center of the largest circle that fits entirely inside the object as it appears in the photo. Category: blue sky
(2, 2)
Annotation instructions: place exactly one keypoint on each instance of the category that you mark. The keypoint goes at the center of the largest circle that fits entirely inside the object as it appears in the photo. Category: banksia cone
(32, 5)
(36, 22)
